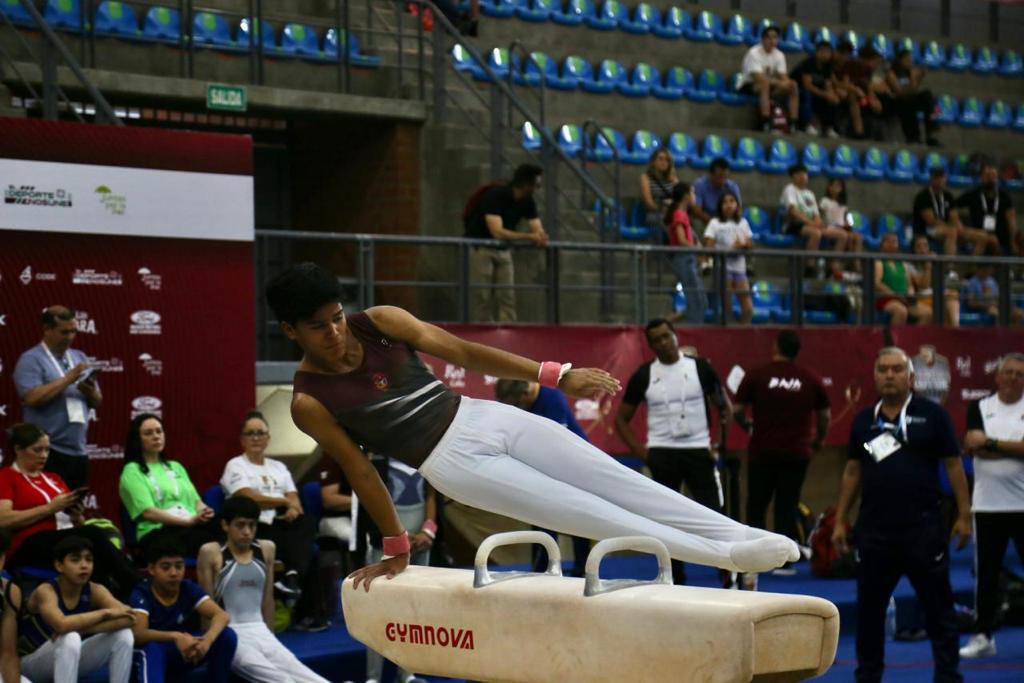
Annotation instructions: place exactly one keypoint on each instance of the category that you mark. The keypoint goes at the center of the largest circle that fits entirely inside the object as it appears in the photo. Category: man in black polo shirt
(936, 217)
(495, 216)
(893, 450)
(990, 209)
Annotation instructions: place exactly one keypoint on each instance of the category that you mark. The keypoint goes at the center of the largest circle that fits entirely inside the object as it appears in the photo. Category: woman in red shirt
(29, 502)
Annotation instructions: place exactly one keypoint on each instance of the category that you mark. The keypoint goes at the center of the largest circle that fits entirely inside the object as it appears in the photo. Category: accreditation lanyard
(158, 492)
(901, 426)
(984, 204)
(939, 204)
(46, 481)
(53, 359)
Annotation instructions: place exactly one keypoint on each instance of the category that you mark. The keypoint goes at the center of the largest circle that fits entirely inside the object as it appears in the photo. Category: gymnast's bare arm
(403, 326)
(311, 417)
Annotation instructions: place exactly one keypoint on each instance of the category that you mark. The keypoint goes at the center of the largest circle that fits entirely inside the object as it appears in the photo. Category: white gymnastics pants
(262, 658)
(499, 458)
(65, 658)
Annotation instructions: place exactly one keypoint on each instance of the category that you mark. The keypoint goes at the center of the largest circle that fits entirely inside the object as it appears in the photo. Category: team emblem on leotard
(380, 381)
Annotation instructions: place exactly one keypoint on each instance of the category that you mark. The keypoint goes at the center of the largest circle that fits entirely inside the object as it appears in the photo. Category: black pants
(672, 467)
(294, 541)
(112, 568)
(907, 108)
(992, 534)
(922, 555)
(781, 480)
(580, 550)
(190, 538)
(73, 469)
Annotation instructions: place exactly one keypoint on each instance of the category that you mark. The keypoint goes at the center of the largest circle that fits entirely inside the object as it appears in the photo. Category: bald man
(58, 389)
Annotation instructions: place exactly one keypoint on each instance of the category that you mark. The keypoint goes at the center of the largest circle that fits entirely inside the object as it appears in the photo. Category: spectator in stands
(10, 608)
(994, 439)
(818, 98)
(921, 276)
(983, 295)
(168, 609)
(910, 99)
(989, 208)
(157, 493)
(802, 216)
(467, 21)
(836, 216)
(684, 261)
(493, 213)
(679, 391)
(73, 626)
(240, 577)
(936, 218)
(656, 185)
(894, 287)
(58, 389)
(895, 446)
(765, 75)
(786, 399)
(708, 190)
(730, 230)
(282, 519)
(852, 80)
(29, 502)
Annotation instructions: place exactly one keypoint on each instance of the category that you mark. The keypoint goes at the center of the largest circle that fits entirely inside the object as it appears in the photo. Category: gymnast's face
(323, 335)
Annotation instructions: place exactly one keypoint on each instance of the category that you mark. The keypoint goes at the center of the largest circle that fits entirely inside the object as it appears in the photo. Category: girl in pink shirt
(684, 261)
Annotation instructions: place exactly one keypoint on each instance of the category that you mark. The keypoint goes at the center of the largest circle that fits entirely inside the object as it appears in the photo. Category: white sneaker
(979, 645)
(750, 581)
(811, 129)
(831, 133)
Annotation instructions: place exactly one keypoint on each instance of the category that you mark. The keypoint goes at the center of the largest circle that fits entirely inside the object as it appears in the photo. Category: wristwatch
(991, 445)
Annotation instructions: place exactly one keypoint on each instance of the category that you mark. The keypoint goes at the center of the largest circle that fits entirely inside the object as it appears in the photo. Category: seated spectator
(29, 502)
(169, 636)
(803, 218)
(910, 99)
(921, 274)
(73, 626)
(684, 261)
(10, 607)
(765, 75)
(983, 295)
(894, 288)
(656, 185)
(731, 231)
(157, 493)
(336, 497)
(709, 188)
(989, 209)
(936, 218)
(836, 215)
(270, 484)
(857, 81)
(240, 577)
(818, 97)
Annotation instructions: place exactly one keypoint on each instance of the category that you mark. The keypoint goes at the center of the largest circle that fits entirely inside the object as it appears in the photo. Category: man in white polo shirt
(995, 436)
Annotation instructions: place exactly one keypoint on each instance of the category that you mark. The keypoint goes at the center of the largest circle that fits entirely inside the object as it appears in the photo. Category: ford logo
(147, 403)
(145, 317)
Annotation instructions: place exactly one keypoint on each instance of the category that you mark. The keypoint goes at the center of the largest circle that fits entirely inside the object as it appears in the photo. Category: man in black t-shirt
(818, 98)
(936, 217)
(989, 209)
(495, 216)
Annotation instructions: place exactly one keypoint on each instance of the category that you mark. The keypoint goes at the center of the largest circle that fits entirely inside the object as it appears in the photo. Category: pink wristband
(549, 373)
(396, 545)
(430, 528)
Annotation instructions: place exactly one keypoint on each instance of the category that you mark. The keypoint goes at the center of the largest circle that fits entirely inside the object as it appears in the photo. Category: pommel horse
(522, 627)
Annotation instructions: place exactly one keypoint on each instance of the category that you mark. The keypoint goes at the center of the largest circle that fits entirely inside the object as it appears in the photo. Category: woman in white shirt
(730, 230)
(836, 215)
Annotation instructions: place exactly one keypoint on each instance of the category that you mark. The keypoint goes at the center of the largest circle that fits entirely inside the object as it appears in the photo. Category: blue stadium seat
(891, 223)
(844, 162)
(826, 317)
(757, 29)
(972, 112)
(709, 85)
(678, 81)
(682, 147)
(823, 33)
(499, 62)
(860, 224)
(608, 17)
(570, 139)
(731, 94)
(904, 167)
(64, 14)
(794, 38)
(707, 26)
(16, 13)
(781, 155)
(162, 23)
(247, 26)
(933, 55)
(541, 67)
(873, 164)
(907, 43)
(852, 37)
(736, 32)
(643, 78)
(643, 145)
(574, 13)
(759, 219)
(645, 17)
(958, 58)
(117, 19)
(767, 302)
(577, 69)
(1018, 119)
(536, 11)
(674, 24)
(930, 161)
(352, 53)
(600, 150)
(499, 9)
(463, 61)
(947, 110)
(714, 146)
(608, 77)
(960, 172)
(531, 138)
(299, 39)
(211, 29)
(815, 158)
(985, 61)
(883, 46)
(999, 115)
(214, 497)
(749, 154)
(1011, 63)
(633, 227)
(975, 318)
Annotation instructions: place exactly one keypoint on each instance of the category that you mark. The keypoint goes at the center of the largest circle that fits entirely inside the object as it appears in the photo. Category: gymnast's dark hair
(133, 443)
(788, 344)
(657, 322)
(296, 293)
(163, 544)
(71, 545)
(240, 507)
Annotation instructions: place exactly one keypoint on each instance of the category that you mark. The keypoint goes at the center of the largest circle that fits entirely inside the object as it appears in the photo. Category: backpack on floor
(826, 560)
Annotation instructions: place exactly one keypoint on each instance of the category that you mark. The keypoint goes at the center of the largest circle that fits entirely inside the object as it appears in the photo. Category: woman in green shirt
(894, 287)
(157, 492)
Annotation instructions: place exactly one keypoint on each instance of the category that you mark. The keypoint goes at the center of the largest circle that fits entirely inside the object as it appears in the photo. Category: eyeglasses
(256, 434)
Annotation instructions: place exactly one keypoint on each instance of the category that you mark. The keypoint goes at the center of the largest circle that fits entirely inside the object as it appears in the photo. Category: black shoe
(288, 585)
(311, 625)
(469, 27)
(933, 142)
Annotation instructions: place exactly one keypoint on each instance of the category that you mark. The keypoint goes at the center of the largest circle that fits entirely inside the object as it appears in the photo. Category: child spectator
(73, 626)
(983, 295)
(910, 99)
(240, 577)
(684, 261)
(818, 98)
(167, 629)
(10, 606)
(730, 230)
(894, 288)
(836, 215)
(765, 75)
(802, 216)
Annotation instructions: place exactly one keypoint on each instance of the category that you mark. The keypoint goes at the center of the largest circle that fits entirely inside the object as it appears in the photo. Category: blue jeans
(685, 268)
(157, 662)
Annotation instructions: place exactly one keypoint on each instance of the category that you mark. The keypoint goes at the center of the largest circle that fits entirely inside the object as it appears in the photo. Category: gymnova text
(420, 634)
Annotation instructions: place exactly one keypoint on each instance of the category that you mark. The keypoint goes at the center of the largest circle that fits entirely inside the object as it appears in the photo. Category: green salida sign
(225, 97)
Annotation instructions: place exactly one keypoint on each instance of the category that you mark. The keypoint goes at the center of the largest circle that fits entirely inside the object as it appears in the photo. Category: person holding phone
(58, 391)
(30, 499)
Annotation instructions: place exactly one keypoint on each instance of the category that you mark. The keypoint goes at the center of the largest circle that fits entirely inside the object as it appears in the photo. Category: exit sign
(225, 97)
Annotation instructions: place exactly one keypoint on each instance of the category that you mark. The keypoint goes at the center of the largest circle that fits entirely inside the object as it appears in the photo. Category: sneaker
(311, 625)
(979, 645)
(787, 569)
(811, 129)
(831, 133)
(850, 276)
(288, 585)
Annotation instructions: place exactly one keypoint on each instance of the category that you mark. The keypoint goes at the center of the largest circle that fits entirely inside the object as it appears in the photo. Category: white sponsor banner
(116, 200)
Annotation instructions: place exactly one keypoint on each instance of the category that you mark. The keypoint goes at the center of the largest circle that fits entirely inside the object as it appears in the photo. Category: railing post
(421, 86)
(1004, 293)
(440, 69)
(497, 133)
(463, 293)
(550, 164)
(938, 291)
(724, 297)
(796, 284)
(554, 298)
(643, 253)
(868, 286)
(371, 275)
(638, 287)
(48, 67)
(397, 5)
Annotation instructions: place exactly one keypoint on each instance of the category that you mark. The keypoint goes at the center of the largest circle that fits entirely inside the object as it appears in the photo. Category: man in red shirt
(786, 399)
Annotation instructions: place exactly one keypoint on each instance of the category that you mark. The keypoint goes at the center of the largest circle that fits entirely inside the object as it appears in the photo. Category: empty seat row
(705, 26)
